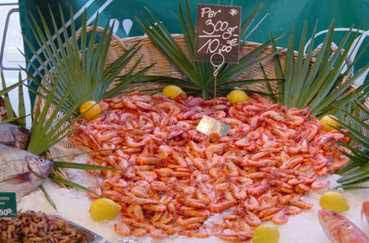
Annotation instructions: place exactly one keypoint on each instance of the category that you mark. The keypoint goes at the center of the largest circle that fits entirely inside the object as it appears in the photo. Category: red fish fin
(20, 178)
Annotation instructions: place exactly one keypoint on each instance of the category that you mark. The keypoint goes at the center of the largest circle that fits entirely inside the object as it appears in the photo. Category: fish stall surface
(20, 171)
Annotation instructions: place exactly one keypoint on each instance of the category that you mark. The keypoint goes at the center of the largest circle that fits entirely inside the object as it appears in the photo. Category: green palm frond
(59, 176)
(48, 198)
(357, 170)
(63, 181)
(198, 76)
(269, 85)
(317, 81)
(11, 116)
(50, 121)
(74, 60)
(79, 166)
(21, 106)
(6, 89)
(73, 70)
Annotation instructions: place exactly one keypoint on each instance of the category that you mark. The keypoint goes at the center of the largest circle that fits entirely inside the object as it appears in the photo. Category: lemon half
(334, 201)
(172, 91)
(237, 96)
(104, 209)
(265, 234)
(90, 110)
(329, 123)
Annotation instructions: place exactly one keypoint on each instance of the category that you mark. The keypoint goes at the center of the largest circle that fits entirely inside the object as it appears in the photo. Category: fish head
(329, 220)
(326, 216)
(38, 166)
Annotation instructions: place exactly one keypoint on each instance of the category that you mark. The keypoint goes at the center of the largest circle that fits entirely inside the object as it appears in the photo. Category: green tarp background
(283, 14)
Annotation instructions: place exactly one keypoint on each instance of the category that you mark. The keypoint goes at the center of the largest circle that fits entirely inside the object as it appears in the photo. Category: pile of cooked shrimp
(172, 179)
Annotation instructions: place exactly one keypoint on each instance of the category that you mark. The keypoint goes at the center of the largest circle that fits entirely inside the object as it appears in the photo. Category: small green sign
(8, 204)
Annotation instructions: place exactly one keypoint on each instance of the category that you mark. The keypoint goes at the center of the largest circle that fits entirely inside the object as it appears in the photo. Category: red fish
(20, 171)
(339, 229)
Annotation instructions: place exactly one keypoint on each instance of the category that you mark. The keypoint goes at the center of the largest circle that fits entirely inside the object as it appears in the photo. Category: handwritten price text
(218, 34)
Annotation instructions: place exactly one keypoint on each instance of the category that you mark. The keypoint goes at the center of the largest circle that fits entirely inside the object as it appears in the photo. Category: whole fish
(20, 171)
(14, 136)
(339, 229)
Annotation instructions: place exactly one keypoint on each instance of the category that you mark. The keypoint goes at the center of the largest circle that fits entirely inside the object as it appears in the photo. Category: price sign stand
(217, 67)
(218, 36)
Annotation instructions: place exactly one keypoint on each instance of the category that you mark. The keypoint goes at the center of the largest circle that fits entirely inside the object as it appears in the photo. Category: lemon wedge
(104, 209)
(90, 110)
(329, 123)
(334, 201)
(236, 96)
(265, 234)
(172, 91)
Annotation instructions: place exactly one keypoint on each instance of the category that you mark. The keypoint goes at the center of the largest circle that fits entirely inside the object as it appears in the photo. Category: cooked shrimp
(171, 178)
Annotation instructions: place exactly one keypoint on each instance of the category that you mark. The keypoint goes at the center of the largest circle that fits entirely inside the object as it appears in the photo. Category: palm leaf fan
(74, 60)
(357, 170)
(198, 76)
(36, 145)
(51, 121)
(317, 81)
(51, 117)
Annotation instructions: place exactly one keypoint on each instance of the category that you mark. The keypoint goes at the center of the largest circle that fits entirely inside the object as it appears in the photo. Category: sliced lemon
(172, 91)
(265, 234)
(334, 201)
(104, 209)
(329, 123)
(90, 110)
(237, 96)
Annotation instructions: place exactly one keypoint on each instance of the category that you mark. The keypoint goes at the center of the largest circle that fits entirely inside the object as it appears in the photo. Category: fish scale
(12, 162)
(11, 169)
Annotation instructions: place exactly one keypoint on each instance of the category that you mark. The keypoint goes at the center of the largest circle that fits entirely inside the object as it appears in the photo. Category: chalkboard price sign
(218, 34)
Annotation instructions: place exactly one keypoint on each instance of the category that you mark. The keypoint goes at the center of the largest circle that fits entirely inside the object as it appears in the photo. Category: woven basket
(151, 55)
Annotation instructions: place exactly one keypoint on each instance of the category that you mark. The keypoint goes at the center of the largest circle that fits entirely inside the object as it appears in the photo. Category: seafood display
(172, 179)
(339, 229)
(21, 172)
(177, 145)
(32, 226)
